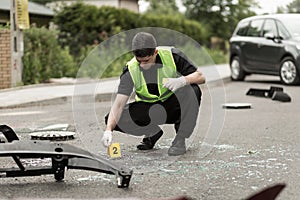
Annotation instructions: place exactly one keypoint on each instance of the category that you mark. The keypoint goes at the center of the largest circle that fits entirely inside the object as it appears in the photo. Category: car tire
(288, 72)
(237, 72)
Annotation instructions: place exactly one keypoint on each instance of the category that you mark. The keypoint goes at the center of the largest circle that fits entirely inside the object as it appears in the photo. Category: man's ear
(155, 52)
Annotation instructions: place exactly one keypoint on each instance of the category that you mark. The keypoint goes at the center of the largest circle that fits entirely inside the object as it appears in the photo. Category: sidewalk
(56, 93)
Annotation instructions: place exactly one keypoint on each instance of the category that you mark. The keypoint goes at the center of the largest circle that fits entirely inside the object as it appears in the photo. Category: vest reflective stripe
(167, 71)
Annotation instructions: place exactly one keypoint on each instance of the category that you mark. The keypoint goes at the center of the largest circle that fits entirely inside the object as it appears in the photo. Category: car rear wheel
(288, 72)
(237, 72)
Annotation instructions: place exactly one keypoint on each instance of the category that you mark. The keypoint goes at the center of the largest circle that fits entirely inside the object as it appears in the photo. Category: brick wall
(5, 67)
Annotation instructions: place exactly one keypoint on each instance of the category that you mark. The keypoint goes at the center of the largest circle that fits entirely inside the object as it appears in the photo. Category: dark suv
(267, 44)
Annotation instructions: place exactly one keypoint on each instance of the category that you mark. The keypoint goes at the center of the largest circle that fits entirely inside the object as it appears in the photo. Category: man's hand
(175, 83)
(107, 138)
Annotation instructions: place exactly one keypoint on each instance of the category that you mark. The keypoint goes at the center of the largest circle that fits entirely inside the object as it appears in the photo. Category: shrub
(44, 58)
(218, 56)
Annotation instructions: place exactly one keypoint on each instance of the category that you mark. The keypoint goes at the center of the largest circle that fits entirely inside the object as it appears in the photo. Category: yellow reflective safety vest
(168, 70)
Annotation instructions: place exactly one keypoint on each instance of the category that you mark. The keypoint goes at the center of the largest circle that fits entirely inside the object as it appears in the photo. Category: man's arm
(186, 68)
(195, 78)
(113, 118)
(189, 73)
(116, 111)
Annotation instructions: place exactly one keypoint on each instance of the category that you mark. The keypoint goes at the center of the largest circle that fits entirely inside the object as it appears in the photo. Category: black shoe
(178, 147)
(149, 142)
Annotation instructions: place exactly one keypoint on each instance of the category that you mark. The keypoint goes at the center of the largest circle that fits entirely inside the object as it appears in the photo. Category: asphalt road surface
(232, 154)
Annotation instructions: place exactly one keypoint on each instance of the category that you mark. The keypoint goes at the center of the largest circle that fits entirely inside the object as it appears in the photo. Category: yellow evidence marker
(114, 150)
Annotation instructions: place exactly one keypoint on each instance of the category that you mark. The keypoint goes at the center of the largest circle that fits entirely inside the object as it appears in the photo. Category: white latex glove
(175, 83)
(107, 138)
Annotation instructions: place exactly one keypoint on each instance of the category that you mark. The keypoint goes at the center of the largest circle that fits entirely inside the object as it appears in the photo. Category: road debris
(275, 93)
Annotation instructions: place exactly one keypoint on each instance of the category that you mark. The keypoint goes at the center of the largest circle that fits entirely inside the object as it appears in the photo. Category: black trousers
(181, 109)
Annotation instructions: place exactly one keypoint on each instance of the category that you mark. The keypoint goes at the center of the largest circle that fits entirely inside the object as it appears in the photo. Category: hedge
(44, 58)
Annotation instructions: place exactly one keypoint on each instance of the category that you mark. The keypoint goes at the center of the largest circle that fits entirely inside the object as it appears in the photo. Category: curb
(103, 97)
(56, 101)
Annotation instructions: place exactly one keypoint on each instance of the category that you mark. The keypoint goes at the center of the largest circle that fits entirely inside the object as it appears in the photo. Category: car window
(243, 27)
(282, 32)
(254, 29)
(292, 24)
(270, 27)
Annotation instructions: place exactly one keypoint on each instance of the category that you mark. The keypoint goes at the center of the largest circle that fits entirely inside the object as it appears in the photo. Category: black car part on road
(275, 93)
(62, 156)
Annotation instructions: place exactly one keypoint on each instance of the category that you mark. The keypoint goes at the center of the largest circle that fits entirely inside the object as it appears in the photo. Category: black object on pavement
(275, 93)
(237, 105)
(281, 96)
(269, 193)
